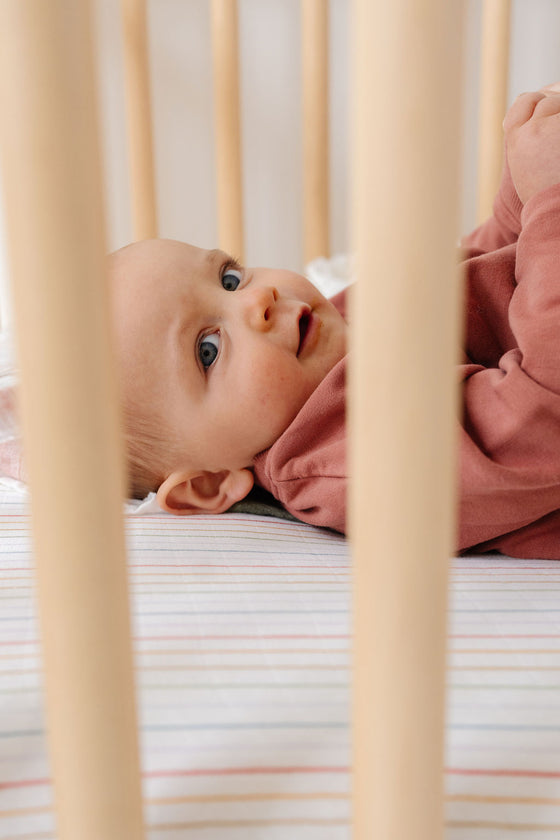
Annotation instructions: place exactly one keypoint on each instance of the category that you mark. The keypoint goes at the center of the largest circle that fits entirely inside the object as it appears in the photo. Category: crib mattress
(241, 630)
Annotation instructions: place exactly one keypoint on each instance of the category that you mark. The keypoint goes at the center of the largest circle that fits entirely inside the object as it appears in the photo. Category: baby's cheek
(272, 387)
(289, 396)
(278, 394)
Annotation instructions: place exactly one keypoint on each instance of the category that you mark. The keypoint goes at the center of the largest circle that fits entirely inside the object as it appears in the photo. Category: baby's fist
(532, 134)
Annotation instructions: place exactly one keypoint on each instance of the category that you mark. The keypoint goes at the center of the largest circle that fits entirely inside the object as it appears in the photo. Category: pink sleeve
(504, 226)
(305, 469)
(510, 440)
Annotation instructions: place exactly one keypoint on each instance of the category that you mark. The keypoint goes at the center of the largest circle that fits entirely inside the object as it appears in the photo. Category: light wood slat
(227, 126)
(404, 336)
(51, 178)
(139, 119)
(315, 78)
(493, 91)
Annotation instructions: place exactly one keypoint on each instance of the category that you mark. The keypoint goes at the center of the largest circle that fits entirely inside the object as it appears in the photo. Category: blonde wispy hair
(150, 452)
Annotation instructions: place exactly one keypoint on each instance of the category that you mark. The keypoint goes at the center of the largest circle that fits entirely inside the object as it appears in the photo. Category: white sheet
(241, 633)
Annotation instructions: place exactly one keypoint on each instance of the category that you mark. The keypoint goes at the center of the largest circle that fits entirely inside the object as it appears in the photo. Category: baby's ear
(185, 492)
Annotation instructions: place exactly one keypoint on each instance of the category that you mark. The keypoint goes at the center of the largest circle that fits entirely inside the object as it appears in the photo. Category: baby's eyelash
(231, 262)
(231, 276)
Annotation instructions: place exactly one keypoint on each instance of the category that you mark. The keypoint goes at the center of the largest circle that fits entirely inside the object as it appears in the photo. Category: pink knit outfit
(510, 426)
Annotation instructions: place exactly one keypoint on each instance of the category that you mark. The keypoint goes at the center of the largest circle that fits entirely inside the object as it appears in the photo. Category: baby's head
(215, 361)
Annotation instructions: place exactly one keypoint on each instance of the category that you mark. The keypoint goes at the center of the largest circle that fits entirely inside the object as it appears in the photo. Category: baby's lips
(309, 333)
(303, 321)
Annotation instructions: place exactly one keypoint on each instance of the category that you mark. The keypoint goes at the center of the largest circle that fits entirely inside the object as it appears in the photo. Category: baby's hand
(532, 134)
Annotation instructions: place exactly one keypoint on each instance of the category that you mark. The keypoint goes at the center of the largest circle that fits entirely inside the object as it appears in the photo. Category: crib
(56, 234)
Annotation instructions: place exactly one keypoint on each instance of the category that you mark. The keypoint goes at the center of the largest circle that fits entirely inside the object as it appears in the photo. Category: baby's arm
(510, 463)
(504, 226)
(531, 163)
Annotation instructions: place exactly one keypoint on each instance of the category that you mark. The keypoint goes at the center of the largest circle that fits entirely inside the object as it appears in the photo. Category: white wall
(270, 72)
(534, 62)
(183, 117)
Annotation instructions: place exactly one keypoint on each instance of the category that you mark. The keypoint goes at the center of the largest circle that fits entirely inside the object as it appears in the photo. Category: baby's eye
(231, 278)
(208, 349)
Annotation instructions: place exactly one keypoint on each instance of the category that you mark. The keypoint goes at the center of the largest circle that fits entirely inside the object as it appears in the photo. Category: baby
(233, 375)
(228, 375)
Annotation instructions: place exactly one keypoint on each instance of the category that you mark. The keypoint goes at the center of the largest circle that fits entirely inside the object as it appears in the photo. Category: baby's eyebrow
(217, 255)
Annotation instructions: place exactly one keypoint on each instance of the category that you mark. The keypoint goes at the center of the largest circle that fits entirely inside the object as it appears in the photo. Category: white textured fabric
(331, 274)
(131, 506)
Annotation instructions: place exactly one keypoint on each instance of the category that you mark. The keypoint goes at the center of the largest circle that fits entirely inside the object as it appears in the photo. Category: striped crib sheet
(503, 721)
(241, 637)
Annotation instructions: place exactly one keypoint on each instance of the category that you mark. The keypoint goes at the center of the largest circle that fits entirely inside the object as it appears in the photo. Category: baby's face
(228, 354)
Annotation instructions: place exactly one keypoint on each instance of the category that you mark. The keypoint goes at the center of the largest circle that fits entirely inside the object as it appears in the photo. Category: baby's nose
(259, 303)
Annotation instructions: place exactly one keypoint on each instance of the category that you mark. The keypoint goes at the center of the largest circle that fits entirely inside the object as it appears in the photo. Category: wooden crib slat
(493, 91)
(51, 179)
(139, 119)
(227, 126)
(315, 83)
(404, 339)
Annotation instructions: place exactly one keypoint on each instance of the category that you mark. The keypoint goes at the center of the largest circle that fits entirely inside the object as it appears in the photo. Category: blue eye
(231, 279)
(208, 349)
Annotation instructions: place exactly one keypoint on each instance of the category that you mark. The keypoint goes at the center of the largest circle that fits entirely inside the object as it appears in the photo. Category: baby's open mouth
(308, 326)
(303, 329)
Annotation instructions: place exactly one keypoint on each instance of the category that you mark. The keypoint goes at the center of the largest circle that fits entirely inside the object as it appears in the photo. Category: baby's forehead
(161, 260)
(149, 253)
(156, 284)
